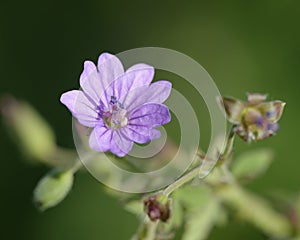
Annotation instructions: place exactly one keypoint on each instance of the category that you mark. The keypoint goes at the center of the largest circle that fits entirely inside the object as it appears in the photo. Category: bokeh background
(246, 46)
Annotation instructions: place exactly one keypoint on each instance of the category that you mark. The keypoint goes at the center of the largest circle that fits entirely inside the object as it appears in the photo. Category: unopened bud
(32, 132)
(157, 207)
(254, 119)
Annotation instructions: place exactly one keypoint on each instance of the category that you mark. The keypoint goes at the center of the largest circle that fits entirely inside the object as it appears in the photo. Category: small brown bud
(157, 207)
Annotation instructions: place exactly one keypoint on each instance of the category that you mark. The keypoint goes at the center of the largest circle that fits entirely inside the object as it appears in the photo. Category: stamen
(116, 118)
(113, 100)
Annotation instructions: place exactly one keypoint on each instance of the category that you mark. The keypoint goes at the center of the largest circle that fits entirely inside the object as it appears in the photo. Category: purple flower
(121, 107)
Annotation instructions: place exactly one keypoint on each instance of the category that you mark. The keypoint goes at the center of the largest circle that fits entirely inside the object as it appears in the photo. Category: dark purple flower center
(116, 117)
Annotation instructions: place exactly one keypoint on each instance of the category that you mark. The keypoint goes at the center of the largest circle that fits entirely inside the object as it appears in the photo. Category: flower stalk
(223, 158)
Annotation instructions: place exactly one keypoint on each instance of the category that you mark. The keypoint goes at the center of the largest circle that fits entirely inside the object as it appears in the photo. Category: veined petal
(81, 107)
(100, 138)
(135, 77)
(120, 145)
(88, 68)
(143, 72)
(90, 82)
(150, 115)
(110, 69)
(157, 92)
(139, 134)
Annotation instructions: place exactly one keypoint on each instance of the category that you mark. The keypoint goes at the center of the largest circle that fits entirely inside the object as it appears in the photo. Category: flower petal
(137, 76)
(138, 134)
(100, 138)
(143, 72)
(272, 110)
(154, 133)
(157, 92)
(90, 82)
(233, 109)
(88, 68)
(150, 115)
(81, 107)
(255, 98)
(120, 145)
(110, 69)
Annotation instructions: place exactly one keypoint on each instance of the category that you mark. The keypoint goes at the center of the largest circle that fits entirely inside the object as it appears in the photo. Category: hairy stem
(223, 158)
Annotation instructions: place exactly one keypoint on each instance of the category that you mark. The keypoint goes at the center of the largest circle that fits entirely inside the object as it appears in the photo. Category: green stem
(151, 230)
(179, 182)
(226, 155)
(193, 173)
(79, 162)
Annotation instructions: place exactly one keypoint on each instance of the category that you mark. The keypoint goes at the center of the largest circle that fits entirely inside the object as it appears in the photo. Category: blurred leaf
(201, 211)
(222, 218)
(193, 197)
(34, 135)
(201, 220)
(252, 163)
(52, 189)
(135, 207)
(255, 210)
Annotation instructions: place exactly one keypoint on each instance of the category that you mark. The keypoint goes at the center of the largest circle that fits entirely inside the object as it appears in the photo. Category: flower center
(115, 118)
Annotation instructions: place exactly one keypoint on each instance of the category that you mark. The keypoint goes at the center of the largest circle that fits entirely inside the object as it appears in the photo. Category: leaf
(252, 163)
(193, 197)
(201, 220)
(135, 207)
(255, 210)
(201, 210)
(52, 189)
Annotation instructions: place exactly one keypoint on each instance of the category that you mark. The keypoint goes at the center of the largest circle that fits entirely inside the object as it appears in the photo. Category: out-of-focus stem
(151, 230)
(193, 173)
(225, 157)
(179, 182)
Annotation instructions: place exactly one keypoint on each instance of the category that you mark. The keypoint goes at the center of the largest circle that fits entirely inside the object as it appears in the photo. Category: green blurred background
(246, 46)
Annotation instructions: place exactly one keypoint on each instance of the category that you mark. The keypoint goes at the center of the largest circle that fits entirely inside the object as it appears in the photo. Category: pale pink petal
(138, 134)
(131, 80)
(90, 82)
(120, 145)
(154, 133)
(150, 115)
(110, 69)
(81, 107)
(143, 72)
(157, 92)
(100, 138)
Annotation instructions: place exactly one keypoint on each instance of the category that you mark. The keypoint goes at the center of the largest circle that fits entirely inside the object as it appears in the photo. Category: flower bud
(254, 119)
(157, 207)
(52, 189)
(32, 132)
